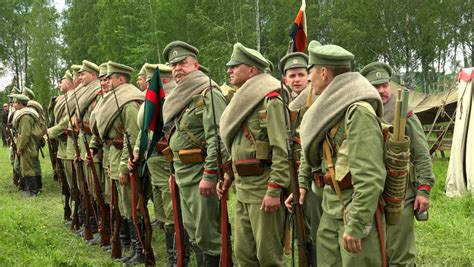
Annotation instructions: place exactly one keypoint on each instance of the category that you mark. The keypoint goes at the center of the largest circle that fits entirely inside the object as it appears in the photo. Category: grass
(32, 232)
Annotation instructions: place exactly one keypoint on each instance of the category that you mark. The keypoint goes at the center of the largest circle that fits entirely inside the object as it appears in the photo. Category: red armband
(213, 172)
(421, 187)
(273, 94)
(274, 186)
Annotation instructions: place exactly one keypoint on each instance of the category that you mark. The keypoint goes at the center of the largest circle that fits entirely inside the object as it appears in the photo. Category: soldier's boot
(311, 252)
(169, 238)
(138, 256)
(211, 260)
(39, 180)
(34, 186)
(200, 257)
(26, 180)
(125, 240)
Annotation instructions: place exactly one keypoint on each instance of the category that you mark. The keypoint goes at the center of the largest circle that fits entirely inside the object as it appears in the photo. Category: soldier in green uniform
(60, 124)
(341, 136)
(158, 166)
(141, 78)
(25, 124)
(116, 123)
(295, 76)
(188, 110)
(253, 131)
(401, 249)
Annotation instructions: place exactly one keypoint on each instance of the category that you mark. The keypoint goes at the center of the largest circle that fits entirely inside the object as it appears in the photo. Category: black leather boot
(138, 256)
(26, 181)
(200, 258)
(311, 252)
(125, 241)
(169, 238)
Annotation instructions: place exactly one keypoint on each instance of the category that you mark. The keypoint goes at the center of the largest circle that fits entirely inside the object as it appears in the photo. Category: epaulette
(273, 94)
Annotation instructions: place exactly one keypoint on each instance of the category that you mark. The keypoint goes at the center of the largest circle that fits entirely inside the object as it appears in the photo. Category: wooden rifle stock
(226, 246)
(177, 219)
(294, 185)
(116, 245)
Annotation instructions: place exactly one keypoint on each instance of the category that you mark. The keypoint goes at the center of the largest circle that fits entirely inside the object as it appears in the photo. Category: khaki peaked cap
(247, 56)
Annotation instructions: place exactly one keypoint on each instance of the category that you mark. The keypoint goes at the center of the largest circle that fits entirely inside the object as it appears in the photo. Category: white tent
(460, 180)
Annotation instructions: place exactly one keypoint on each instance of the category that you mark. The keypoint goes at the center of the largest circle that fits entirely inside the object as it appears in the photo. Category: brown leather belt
(322, 180)
(117, 143)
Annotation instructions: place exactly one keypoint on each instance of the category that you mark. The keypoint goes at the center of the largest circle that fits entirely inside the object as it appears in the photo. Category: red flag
(298, 30)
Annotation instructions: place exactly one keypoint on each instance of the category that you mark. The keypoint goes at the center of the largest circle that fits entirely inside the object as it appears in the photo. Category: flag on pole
(152, 115)
(298, 30)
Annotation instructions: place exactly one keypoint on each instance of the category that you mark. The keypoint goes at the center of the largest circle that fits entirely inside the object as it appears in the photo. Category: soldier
(401, 249)
(25, 124)
(141, 78)
(159, 167)
(341, 136)
(57, 131)
(4, 124)
(188, 110)
(254, 133)
(116, 123)
(295, 76)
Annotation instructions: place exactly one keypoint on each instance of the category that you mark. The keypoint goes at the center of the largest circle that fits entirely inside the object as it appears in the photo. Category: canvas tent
(460, 179)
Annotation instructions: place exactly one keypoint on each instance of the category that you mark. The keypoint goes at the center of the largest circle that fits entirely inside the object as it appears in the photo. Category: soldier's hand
(351, 244)
(270, 204)
(289, 200)
(123, 179)
(131, 164)
(18, 152)
(207, 188)
(223, 186)
(421, 204)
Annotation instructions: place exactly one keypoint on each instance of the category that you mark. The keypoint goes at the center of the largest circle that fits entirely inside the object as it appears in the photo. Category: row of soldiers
(336, 117)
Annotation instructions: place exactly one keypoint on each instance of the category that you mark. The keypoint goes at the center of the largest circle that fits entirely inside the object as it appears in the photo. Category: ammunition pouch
(191, 155)
(161, 145)
(322, 180)
(249, 167)
(116, 142)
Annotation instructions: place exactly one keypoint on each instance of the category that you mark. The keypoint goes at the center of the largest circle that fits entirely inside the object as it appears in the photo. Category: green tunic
(200, 214)
(361, 154)
(26, 144)
(258, 234)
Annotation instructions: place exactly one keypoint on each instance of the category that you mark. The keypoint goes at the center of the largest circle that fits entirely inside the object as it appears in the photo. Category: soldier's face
(5, 107)
(86, 77)
(385, 92)
(141, 82)
(239, 74)
(296, 79)
(184, 67)
(104, 85)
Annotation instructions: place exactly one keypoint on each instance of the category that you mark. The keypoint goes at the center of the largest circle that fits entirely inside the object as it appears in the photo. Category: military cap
(113, 67)
(89, 67)
(142, 71)
(75, 69)
(292, 61)
(203, 69)
(377, 73)
(164, 68)
(67, 75)
(270, 66)
(102, 70)
(176, 51)
(328, 55)
(14, 91)
(247, 56)
(20, 98)
(29, 93)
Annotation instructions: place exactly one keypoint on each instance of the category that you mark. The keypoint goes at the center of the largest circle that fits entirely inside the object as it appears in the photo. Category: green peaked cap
(142, 70)
(292, 61)
(328, 55)
(102, 70)
(89, 67)
(67, 75)
(20, 98)
(75, 69)
(29, 93)
(150, 70)
(176, 51)
(247, 56)
(377, 73)
(113, 67)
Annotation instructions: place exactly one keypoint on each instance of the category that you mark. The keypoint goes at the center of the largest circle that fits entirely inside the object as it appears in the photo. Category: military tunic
(360, 153)
(26, 144)
(258, 234)
(200, 214)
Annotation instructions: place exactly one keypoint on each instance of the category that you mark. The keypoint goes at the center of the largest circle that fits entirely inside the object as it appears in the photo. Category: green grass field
(32, 231)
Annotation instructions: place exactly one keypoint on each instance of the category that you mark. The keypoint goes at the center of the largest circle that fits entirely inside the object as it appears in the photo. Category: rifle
(134, 174)
(297, 209)
(64, 189)
(80, 175)
(16, 177)
(53, 150)
(177, 219)
(104, 229)
(75, 225)
(226, 246)
(116, 245)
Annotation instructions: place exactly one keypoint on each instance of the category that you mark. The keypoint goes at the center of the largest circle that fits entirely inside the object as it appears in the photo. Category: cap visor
(177, 59)
(233, 63)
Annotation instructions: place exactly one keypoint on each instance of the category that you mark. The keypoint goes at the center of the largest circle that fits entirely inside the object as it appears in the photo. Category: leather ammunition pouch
(191, 155)
(116, 142)
(167, 153)
(345, 183)
(161, 145)
(249, 167)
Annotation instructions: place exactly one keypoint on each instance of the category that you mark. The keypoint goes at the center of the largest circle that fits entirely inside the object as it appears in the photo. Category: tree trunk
(257, 23)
